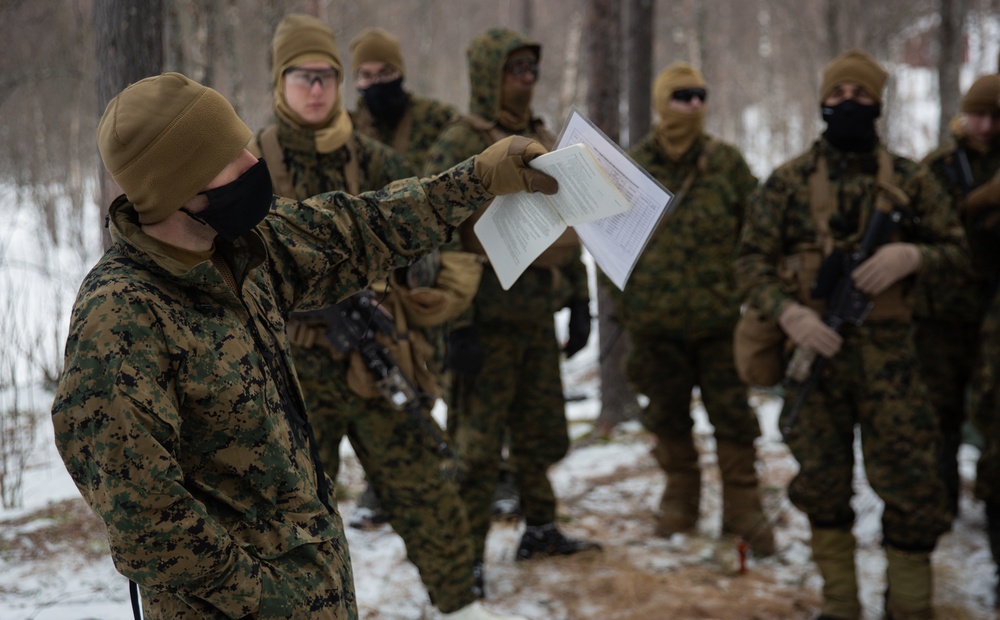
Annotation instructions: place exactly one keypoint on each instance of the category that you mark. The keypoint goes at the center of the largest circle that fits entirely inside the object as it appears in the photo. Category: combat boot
(908, 596)
(479, 579)
(506, 502)
(833, 554)
(476, 611)
(682, 496)
(741, 509)
(546, 540)
(368, 514)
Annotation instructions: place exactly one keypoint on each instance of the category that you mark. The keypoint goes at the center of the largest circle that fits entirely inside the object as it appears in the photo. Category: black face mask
(850, 126)
(234, 209)
(386, 101)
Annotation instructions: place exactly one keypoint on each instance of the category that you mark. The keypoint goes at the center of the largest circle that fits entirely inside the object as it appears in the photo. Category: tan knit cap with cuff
(376, 45)
(299, 39)
(164, 138)
(982, 96)
(854, 66)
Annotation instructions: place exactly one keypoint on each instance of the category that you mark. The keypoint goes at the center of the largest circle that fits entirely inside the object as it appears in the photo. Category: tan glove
(503, 168)
(806, 329)
(889, 264)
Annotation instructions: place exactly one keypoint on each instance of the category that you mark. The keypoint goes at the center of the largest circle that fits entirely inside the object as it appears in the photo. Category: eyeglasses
(522, 66)
(305, 78)
(687, 94)
(366, 79)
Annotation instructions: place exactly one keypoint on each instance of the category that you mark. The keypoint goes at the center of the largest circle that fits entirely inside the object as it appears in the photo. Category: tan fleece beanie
(376, 45)
(300, 39)
(981, 98)
(164, 138)
(854, 66)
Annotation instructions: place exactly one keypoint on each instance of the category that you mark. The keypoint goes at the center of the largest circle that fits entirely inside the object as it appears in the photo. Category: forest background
(61, 60)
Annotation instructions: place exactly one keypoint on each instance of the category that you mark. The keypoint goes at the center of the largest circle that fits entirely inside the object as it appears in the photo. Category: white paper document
(517, 228)
(611, 202)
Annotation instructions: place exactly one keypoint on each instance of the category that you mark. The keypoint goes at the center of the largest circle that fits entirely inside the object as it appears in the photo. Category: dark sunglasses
(687, 94)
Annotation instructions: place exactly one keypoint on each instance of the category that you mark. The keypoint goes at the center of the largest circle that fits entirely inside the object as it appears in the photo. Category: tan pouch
(758, 349)
(456, 286)
(410, 350)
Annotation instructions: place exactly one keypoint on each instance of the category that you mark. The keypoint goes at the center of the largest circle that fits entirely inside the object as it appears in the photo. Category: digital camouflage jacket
(965, 298)
(177, 413)
(538, 292)
(683, 284)
(780, 223)
(414, 134)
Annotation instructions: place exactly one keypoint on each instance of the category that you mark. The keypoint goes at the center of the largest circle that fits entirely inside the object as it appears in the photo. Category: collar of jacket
(128, 238)
(865, 162)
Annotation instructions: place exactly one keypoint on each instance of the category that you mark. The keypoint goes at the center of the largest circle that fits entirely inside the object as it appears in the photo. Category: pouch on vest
(452, 293)
(759, 348)
(409, 349)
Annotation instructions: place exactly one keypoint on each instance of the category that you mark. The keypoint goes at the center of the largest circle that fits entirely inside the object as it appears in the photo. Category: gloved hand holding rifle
(848, 284)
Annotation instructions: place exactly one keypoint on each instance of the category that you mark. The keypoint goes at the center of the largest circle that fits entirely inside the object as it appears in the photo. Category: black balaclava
(386, 101)
(850, 126)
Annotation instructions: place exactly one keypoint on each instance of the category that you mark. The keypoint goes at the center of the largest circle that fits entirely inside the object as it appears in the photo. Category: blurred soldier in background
(948, 317)
(680, 307)
(980, 211)
(409, 124)
(813, 210)
(504, 353)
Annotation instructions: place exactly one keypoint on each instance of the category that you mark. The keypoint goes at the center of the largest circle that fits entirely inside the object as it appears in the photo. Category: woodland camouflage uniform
(873, 381)
(984, 412)
(518, 390)
(948, 317)
(179, 417)
(680, 307)
(424, 119)
(398, 456)
(975, 302)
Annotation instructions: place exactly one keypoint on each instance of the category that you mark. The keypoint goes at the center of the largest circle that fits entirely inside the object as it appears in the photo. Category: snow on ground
(54, 562)
(55, 565)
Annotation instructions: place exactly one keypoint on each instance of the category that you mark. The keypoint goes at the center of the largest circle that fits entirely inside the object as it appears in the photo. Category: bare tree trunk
(603, 22)
(833, 27)
(527, 17)
(949, 63)
(640, 67)
(571, 65)
(129, 40)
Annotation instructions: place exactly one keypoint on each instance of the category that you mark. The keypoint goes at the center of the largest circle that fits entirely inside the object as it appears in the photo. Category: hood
(486, 55)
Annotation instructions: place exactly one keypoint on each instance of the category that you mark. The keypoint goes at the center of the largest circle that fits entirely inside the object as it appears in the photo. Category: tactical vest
(800, 269)
(270, 149)
(364, 123)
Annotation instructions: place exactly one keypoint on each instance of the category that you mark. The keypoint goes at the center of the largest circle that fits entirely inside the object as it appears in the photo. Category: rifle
(846, 304)
(959, 172)
(351, 326)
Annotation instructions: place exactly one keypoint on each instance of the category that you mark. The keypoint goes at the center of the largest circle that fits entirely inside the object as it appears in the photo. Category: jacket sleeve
(327, 247)
(761, 248)
(936, 229)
